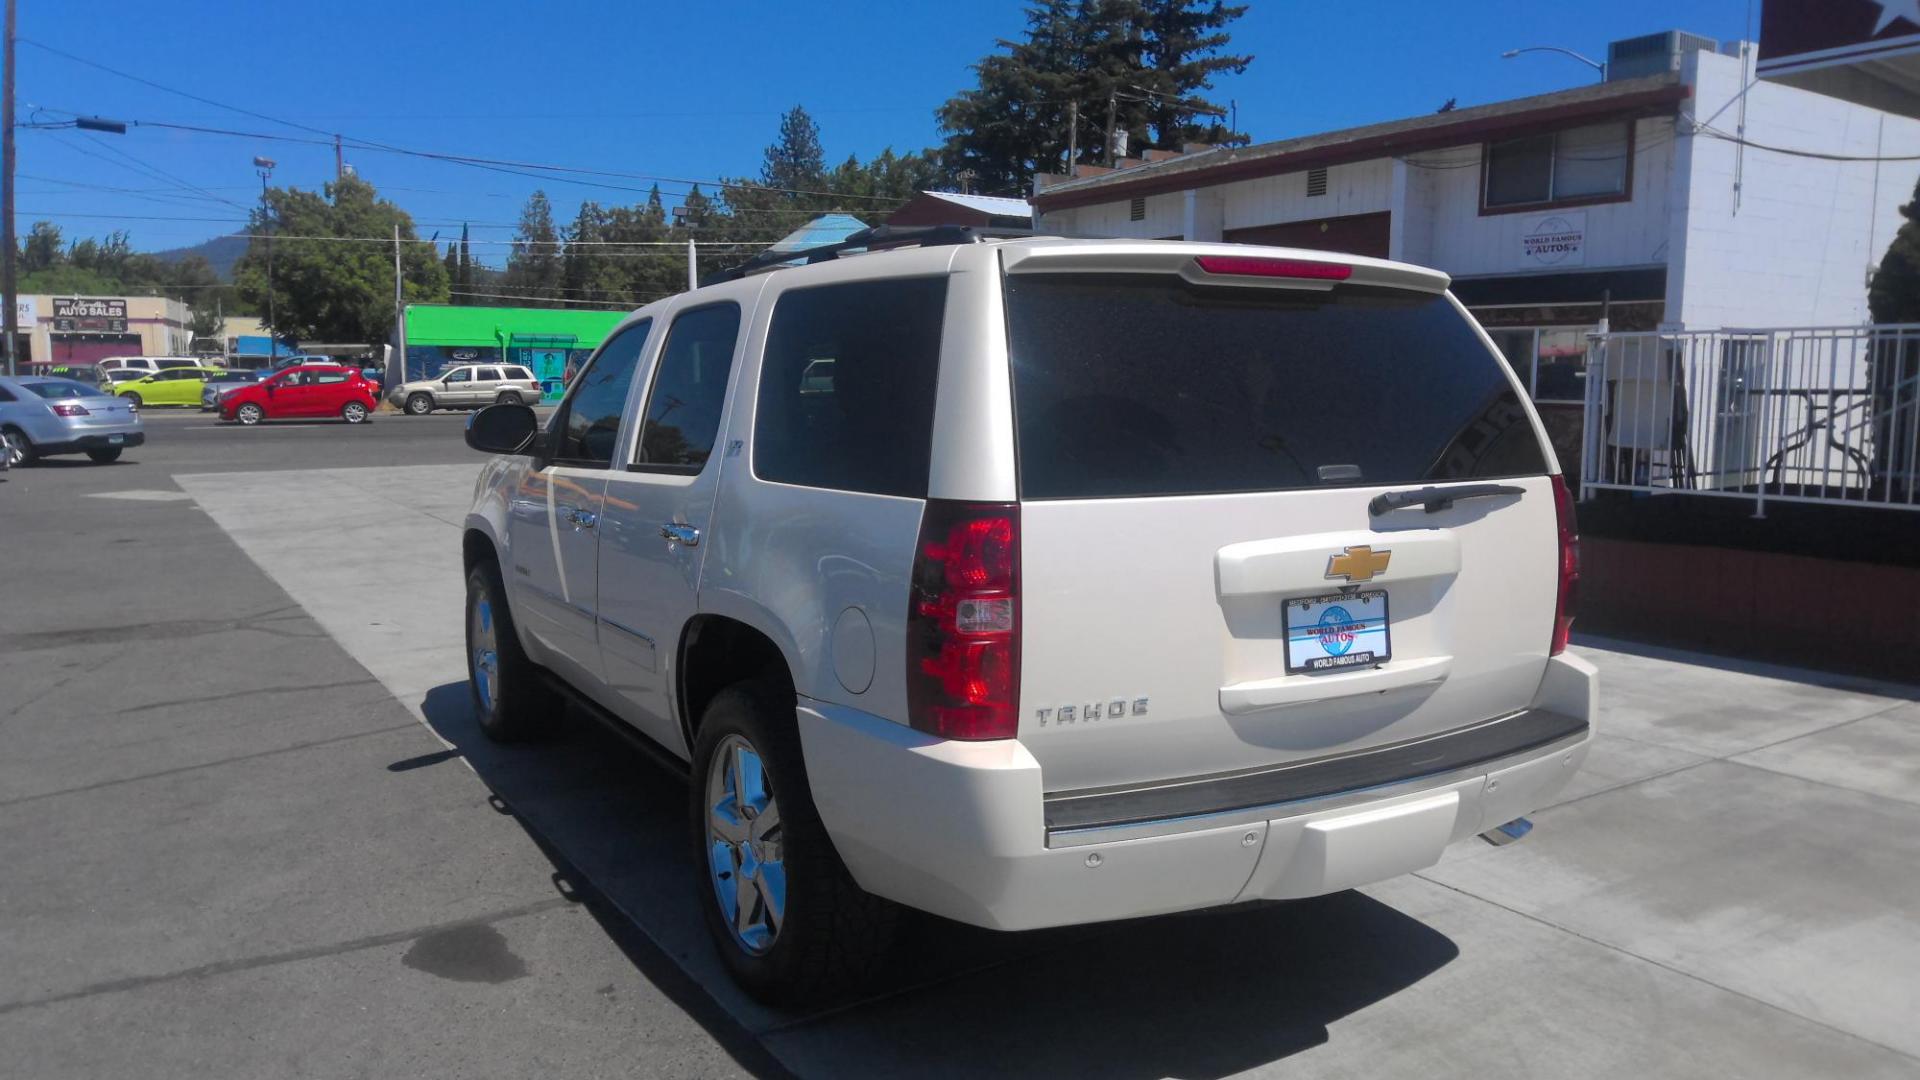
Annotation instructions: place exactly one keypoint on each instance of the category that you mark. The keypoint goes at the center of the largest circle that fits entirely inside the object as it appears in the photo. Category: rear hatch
(1211, 580)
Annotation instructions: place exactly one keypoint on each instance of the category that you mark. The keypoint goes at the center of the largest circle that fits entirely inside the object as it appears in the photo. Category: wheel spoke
(771, 883)
(745, 892)
(766, 822)
(726, 824)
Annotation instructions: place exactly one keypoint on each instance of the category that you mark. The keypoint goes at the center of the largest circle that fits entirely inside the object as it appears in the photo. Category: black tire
(106, 455)
(133, 399)
(419, 403)
(833, 936)
(513, 704)
(509, 397)
(19, 446)
(354, 412)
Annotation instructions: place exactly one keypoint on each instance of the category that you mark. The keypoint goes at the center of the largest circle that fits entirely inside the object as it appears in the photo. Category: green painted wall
(438, 324)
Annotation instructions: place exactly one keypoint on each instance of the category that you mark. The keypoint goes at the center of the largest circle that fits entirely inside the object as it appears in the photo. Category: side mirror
(503, 429)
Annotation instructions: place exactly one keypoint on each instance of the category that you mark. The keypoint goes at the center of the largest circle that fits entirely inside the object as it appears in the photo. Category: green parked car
(174, 386)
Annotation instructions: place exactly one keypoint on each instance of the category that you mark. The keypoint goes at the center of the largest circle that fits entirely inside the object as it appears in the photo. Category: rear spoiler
(1222, 264)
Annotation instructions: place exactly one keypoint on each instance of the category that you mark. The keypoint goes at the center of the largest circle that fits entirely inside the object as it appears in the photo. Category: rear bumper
(78, 444)
(963, 829)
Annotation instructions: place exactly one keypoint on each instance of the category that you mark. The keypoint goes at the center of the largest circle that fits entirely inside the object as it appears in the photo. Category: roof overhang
(1644, 97)
(1856, 50)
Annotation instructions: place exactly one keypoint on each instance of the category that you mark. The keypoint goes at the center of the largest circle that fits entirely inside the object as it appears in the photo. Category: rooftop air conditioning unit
(1654, 54)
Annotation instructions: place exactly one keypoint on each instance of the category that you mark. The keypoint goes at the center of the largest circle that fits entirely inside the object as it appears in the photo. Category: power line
(606, 305)
(493, 164)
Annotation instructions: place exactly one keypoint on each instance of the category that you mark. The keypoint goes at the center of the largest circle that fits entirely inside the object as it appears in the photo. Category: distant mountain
(221, 252)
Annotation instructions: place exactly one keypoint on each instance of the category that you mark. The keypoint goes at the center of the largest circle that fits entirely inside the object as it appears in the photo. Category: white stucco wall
(1363, 187)
(1793, 246)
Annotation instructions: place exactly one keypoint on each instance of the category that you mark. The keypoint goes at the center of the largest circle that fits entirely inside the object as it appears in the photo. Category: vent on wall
(1137, 209)
(1316, 182)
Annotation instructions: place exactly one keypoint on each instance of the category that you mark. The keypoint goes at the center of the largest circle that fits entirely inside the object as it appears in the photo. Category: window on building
(589, 420)
(1583, 164)
(689, 391)
(847, 387)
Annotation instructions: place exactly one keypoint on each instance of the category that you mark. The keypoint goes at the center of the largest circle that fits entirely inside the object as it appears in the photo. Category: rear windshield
(1142, 384)
(63, 388)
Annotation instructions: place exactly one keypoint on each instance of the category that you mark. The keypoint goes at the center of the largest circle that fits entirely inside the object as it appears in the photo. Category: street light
(264, 166)
(1594, 64)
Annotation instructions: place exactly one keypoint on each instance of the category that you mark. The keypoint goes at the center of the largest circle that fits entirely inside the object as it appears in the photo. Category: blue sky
(675, 90)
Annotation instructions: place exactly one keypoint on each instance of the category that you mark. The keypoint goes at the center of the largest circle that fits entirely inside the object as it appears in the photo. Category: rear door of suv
(1210, 580)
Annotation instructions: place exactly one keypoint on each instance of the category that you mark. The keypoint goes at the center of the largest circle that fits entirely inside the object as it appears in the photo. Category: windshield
(1143, 384)
(59, 389)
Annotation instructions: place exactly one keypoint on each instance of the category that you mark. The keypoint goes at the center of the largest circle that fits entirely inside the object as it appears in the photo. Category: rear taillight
(963, 622)
(1252, 266)
(1569, 593)
(70, 409)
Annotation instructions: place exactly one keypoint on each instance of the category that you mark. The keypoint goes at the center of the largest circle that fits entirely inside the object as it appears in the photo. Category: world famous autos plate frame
(1337, 632)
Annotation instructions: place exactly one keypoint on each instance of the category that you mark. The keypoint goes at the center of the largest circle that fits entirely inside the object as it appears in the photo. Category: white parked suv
(468, 386)
(1088, 580)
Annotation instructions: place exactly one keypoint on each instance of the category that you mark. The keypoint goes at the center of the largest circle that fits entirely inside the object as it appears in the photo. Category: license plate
(116, 440)
(1334, 633)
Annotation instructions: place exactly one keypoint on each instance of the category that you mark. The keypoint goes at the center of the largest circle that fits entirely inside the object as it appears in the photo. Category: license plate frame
(116, 440)
(1336, 632)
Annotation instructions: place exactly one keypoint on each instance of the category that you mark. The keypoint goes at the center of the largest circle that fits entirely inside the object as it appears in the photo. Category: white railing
(1817, 414)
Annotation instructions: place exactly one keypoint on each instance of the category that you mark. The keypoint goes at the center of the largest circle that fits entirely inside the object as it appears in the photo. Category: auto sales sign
(89, 314)
(1554, 240)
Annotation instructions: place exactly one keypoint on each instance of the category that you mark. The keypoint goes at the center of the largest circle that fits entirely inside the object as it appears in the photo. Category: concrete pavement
(252, 856)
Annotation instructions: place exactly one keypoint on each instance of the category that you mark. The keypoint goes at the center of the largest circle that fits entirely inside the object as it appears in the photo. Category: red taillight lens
(1249, 266)
(963, 622)
(1569, 594)
(69, 409)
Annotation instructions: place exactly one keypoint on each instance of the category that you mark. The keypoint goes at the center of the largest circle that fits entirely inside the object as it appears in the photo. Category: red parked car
(310, 391)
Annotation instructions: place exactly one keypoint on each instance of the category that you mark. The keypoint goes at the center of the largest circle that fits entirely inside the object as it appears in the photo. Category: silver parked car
(468, 386)
(40, 417)
(233, 380)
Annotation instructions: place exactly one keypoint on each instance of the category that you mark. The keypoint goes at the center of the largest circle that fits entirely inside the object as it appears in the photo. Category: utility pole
(397, 371)
(1112, 96)
(8, 283)
(339, 161)
(265, 168)
(1073, 136)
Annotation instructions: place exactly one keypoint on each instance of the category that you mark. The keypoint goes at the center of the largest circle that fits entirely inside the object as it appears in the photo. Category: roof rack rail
(873, 238)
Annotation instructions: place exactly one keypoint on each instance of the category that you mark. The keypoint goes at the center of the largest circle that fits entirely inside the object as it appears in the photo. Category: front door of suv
(657, 511)
(553, 513)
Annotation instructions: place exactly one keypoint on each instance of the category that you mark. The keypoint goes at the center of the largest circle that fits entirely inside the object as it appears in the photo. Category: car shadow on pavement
(1200, 995)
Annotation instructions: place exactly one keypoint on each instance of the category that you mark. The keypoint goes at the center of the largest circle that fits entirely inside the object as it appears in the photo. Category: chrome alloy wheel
(485, 651)
(13, 449)
(744, 842)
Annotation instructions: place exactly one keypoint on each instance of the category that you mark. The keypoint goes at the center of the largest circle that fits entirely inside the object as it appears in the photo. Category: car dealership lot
(250, 829)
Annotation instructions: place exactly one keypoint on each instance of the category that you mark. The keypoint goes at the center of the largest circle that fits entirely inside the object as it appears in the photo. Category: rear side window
(1142, 384)
(689, 390)
(590, 420)
(847, 387)
(519, 373)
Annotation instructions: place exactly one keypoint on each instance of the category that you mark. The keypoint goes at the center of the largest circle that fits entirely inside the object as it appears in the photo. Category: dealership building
(57, 331)
(1648, 199)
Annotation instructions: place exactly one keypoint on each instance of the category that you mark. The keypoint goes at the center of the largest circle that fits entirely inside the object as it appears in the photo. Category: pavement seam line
(205, 765)
(1662, 965)
(1728, 758)
(1828, 784)
(232, 695)
(250, 963)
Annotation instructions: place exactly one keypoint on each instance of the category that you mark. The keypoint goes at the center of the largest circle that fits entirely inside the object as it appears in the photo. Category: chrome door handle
(676, 533)
(582, 519)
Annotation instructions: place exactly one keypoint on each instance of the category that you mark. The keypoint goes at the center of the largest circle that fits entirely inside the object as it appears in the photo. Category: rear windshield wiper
(1436, 499)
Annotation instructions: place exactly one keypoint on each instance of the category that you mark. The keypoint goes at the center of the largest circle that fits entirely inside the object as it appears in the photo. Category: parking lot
(250, 829)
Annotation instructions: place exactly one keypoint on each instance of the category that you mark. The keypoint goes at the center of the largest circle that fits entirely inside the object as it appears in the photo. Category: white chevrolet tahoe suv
(1041, 581)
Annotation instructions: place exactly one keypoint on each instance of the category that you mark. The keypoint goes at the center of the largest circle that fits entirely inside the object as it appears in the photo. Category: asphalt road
(248, 829)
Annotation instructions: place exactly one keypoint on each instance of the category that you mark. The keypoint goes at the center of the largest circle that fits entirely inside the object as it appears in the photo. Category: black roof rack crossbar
(872, 238)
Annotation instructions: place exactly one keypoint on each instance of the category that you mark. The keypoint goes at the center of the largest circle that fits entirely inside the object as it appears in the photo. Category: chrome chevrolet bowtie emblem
(1358, 563)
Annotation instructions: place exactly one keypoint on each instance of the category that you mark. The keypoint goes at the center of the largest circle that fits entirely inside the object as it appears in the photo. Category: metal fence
(1819, 414)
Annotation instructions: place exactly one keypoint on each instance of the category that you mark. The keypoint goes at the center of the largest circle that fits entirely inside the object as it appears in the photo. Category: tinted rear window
(55, 391)
(1134, 385)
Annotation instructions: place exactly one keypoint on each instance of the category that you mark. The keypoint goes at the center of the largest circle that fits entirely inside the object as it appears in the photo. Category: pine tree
(534, 266)
(795, 162)
(452, 263)
(1150, 58)
(1894, 296)
(466, 264)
